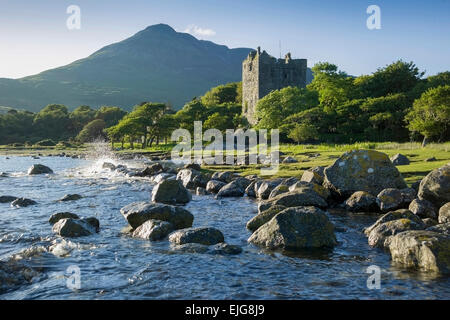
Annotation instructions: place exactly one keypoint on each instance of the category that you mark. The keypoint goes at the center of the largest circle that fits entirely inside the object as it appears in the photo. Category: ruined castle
(262, 73)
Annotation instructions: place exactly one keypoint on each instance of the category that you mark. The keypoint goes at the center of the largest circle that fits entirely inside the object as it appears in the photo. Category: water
(114, 266)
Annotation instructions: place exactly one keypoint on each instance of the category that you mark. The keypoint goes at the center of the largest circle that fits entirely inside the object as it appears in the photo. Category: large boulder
(203, 235)
(263, 217)
(62, 215)
(319, 189)
(395, 215)
(153, 230)
(39, 169)
(163, 176)
(214, 186)
(297, 198)
(390, 199)
(253, 188)
(279, 189)
(314, 175)
(72, 228)
(138, 212)
(435, 187)
(400, 160)
(225, 176)
(440, 228)
(266, 188)
(444, 213)
(361, 201)
(151, 170)
(380, 235)
(362, 170)
(423, 208)
(421, 249)
(296, 228)
(23, 202)
(171, 192)
(191, 178)
(7, 199)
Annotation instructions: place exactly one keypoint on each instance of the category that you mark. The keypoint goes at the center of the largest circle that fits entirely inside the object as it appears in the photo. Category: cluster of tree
(56, 123)
(394, 103)
(148, 123)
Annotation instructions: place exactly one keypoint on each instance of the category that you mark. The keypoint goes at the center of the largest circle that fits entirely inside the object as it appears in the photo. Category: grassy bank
(307, 155)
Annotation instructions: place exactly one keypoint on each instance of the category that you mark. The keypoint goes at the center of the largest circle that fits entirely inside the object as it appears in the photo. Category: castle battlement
(262, 73)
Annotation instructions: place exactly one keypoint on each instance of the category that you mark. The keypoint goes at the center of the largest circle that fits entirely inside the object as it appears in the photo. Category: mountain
(156, 64)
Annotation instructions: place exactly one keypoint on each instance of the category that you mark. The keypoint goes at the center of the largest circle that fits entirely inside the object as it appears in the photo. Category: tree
(279, 104)
(430, 115)
(92, 131)
(80, 117)
(111, 115)
(303, 132)
(52, 122)
(228, 93)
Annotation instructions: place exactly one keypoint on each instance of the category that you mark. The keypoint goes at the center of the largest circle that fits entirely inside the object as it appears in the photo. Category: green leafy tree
(92, 131)
(227, 93)
(52, 122)
(80, 117)
(111, 115)
(303, 132)
(430, 115)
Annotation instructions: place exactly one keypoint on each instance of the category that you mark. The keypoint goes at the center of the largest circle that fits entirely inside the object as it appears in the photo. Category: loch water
(115, 266)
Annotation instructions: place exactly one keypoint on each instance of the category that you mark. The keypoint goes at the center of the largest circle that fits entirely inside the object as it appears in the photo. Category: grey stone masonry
(262, 73)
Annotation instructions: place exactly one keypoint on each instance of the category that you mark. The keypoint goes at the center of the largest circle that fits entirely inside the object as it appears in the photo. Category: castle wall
(262, 74)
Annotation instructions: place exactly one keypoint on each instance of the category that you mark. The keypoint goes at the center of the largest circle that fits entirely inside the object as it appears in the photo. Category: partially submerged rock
(266, 188)
(423, 249)
(191, 178)
(171, 192)
(296, 228)
(362, 170)
(23, 202)
(226, 249)
(153, 230)
(72, 228)
(380, 235)
(138, 212)
(71, 197)
(394, 215)
(304, 197)
(264, 217)
(361, 201)
(39, 169)
(214, 186)
(225, 176)
(235, 188)
(201, 235)
(7, 199)
(62, 215)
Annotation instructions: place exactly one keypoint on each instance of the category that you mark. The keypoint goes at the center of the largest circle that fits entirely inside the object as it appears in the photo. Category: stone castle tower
(262, 73)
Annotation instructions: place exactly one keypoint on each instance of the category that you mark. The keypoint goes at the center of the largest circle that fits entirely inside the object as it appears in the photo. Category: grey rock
(266, 188)
(153, 230)
(191, 179)
(190, 248)
(232, 189)
(429, 222)
(71, 197)
(73, 228)
(421, 249)
(400, 160)
(362, 170)
(303, 197)
(289, 160)
(314, 175)
(201, 191)
(390, 199)
(264, 217)
(253, 187)
(171, 192)
(395, 215)
(194, 166)
(226, 176)
(7, 199)
(380, 235)
(435, 187)
(296, 228)
(163, 176)
(361, 201)
(444, 213)
(108, 165)
(423, 208)
(214, 186)
(62, 215)
(138, 212)
(226, 249)
(201, 235)
(39, 169)
(440, 228)
(280, 189)
(23, 202)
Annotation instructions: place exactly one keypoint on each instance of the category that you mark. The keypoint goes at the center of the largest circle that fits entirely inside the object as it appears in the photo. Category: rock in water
(138, 212)
(400, 160)
(73, 228)
(201, 191)
(151, 170)
(266, 188)
(297, 198)
(71, 197)
(232, 189)
(23, 202)
(203, 235)
(171, 192)
(264, 217)
(279, 189)
(423, 249)
(39, 169)
(362, 170)
(191, 178)
(444, 213)
(62, 215)
(214, 186)
(226, 176)
(225, 248)
(153, 230)
(361, 201)
(380, 235)
(435, 187)
(7, 199)
(108, 165)
(422, 208)
(395, 215)
(296, 228)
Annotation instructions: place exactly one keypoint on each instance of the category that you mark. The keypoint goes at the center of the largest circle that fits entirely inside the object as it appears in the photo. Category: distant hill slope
(156, 64)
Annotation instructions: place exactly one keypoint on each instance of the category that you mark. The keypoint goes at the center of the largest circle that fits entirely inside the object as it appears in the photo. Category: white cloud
(200, 32)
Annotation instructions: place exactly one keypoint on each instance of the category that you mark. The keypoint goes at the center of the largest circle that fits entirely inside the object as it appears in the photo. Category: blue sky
(34, 36)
